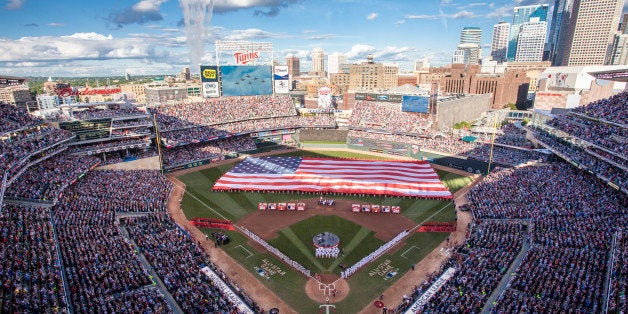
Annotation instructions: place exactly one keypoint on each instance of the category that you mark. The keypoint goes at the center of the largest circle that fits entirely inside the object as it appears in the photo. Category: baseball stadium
(248, 200)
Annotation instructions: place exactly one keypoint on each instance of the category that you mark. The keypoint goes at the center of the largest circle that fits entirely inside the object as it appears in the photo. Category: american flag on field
(357, 176)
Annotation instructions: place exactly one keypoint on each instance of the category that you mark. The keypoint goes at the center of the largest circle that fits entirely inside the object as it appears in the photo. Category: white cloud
(248, 34)
(372, 16)
(14, 4)
(458, 15)
(421, 17)
(54, 24)
(79, 46)
(360, 51)
(504, 11)
(148, 5)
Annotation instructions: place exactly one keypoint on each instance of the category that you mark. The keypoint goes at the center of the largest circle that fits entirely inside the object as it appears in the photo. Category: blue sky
(99, 38)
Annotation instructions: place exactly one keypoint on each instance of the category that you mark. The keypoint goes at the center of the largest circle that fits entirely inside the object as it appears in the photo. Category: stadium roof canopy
(618, 75)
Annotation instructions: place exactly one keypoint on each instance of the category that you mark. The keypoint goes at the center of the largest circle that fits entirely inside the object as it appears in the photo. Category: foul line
(428, 218)
(250, 254)
(408, 250)
(196, 198)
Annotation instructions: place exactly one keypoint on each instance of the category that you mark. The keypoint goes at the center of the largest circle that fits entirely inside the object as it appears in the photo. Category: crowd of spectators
(101, 267)
(618, 293)
(203, 151)
(223, 110)
(385, 116)
(15, 148)
(556, 279)
(572, 216)
(13, 118)
(109, 112)
(207, 133)
(122, 191)
(117, 144)
(453, 145)
(47, 179)
(29, 262)
(177, 259)
(481, 263)
(126, 132)
(128, 154)
(507, 134)
(613, 109)
(505, 156)
(126, 123)
(574, 153)
(611, 137)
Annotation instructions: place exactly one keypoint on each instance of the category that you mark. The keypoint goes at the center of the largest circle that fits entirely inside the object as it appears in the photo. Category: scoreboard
(88, 130)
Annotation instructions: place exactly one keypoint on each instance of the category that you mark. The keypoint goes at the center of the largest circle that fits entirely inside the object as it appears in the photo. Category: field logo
(245, 57)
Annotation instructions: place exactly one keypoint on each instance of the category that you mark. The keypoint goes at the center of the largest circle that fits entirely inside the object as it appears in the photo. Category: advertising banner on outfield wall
(378, 97)
(281, 79)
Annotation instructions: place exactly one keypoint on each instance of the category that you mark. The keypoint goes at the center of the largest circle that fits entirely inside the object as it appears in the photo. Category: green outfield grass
(295, 240)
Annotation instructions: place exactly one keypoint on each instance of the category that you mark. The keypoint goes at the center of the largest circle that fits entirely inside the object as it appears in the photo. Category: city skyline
(71, 38)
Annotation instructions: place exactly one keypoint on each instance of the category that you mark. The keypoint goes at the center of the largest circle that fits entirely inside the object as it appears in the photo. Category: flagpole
(158, 140)
(490, 156)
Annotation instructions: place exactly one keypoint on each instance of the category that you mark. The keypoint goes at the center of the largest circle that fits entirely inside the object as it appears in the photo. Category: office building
(499, 46)
(318, 62)
(522, 15)
(588, 35)
(561, 14)
(334, 62)
(372, 76)
(531, 41)
(294, 66)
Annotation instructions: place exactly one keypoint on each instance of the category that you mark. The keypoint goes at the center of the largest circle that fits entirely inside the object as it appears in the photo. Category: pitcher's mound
(320, 292)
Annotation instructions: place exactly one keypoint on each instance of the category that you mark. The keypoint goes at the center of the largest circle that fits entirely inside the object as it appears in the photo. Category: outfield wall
(312, 135)
(414, 151)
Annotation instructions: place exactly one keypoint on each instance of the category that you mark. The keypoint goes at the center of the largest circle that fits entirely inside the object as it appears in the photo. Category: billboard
(209, 73)
(280, 76)
(209, 81)
(378, 97)
(246, 80)
(415, 104)
(324, 97)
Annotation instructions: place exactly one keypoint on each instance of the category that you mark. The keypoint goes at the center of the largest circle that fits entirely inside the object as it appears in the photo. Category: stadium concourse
(546, 235)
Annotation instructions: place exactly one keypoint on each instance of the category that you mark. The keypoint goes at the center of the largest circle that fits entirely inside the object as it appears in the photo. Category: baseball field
(292, 231)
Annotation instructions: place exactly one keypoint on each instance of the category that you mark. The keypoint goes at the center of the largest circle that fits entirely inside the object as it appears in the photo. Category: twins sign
(245, 57)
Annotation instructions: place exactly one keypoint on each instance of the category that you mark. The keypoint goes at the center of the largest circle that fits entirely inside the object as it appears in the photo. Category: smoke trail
(197, 14)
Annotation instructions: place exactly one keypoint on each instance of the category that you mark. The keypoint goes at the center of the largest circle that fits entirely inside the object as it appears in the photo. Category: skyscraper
(499, 46)
(294, 66)
(334, 61)
(523, 15)
(470, 38)
(562, 13)
(620, 44)
(531, 41)
(318, 62)
(587, 36)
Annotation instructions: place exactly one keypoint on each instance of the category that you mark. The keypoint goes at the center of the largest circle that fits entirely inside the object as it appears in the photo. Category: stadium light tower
(196, 14)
